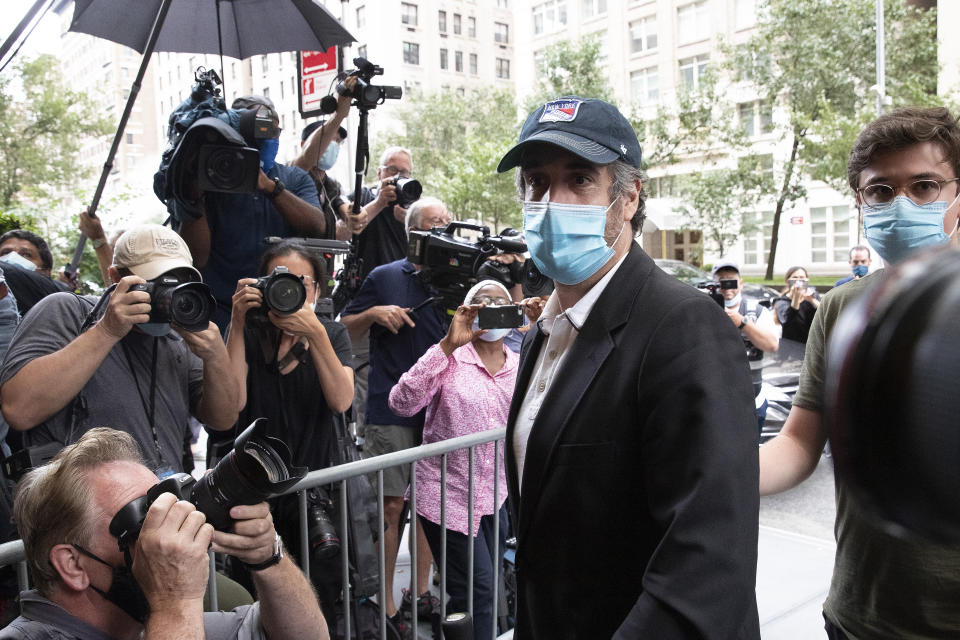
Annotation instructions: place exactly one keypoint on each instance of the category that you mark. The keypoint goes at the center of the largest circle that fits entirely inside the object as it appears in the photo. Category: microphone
(328, 104)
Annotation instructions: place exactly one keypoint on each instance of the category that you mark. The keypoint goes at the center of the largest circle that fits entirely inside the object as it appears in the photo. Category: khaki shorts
(387, 438)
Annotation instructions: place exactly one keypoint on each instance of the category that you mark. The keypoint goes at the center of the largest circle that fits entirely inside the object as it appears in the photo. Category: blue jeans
(484, 588)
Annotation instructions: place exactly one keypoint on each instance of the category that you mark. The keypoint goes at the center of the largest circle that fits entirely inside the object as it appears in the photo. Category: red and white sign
(796, 220)
(316, 69)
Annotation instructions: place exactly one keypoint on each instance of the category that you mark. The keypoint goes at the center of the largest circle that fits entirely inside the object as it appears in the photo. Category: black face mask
(125, 591)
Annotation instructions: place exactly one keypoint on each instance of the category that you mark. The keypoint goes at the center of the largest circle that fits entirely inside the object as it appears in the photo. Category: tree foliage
(41, 126)
(815, 59)
(567, 68)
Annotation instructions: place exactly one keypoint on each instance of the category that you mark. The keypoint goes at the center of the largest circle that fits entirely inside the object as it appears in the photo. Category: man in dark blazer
(631, 442)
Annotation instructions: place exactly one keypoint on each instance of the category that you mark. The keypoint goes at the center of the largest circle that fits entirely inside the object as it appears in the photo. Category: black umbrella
(236, 28)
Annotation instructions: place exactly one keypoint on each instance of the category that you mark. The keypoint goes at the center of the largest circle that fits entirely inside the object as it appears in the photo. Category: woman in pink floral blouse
(466, 382)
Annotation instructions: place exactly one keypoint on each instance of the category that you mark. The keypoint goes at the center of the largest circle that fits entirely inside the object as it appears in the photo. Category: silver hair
(415, 211)
(389, 151)
(622, 179)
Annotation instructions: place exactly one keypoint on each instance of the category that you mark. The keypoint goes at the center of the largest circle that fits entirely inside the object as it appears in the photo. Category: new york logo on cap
(560, 111)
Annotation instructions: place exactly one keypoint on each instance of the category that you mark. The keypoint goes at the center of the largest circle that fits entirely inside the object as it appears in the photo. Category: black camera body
(408, 191)
(506, 316)
(190, 305)
(283, 293)
(715, 289)
(258, 467)
(367, 95)
(531, 281)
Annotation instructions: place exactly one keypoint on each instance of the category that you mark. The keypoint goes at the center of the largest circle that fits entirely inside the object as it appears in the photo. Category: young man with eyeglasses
(904, 170)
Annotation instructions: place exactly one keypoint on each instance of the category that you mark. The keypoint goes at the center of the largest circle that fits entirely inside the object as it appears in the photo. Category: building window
(362, 51)
(643, 34)
(266, 92)
(756, 118)
(456, 24)
(443, 59)
(756, 245)
(458, 61)
(411, 53)
(263, 63)
(408, 14)
(693, 22)
(503, 68)
(361, 17)
(473, 64)
(549, 16)
(691, 70)
(501, 32)
(471, 27)
(233, 70)
(645, 85)
(442, 21)
(745, 14)
(830, 233)
(593, 8)
(501, 4)
(129, 138)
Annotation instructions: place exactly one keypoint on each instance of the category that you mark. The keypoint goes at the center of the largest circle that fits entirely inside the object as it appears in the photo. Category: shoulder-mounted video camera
(368, 96)
(715, 289)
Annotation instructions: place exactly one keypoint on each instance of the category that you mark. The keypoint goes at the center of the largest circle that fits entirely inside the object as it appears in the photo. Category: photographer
(384, 307)
(227, 239)
(466, 383)
(293, 369)
(87, 588)
(797, 304)
(77, 362)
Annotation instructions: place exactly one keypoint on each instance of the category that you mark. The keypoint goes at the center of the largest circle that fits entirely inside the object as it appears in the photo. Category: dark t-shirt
(29, 287)
(294, 402)
(383, 241)
(111, 395)
(391, 355)
(239, 225)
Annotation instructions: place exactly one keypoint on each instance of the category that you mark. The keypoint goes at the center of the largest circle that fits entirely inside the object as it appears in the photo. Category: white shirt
(561, 329)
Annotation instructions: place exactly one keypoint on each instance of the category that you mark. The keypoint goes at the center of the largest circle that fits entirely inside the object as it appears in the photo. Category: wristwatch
(743, 322)
(272, 560)
(278, 188)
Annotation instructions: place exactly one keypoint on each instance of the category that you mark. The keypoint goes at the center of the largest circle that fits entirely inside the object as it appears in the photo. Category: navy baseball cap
(586, 127)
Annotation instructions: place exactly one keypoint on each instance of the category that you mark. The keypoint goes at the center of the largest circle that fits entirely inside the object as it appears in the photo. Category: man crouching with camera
(87, 588)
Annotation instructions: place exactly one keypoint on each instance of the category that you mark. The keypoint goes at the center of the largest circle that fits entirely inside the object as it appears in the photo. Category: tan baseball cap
(150, 250)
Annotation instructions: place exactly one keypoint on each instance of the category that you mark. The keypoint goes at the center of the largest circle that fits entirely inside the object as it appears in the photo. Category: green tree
(570, 68)
(457, 142)
(815, 60)
(41, 126)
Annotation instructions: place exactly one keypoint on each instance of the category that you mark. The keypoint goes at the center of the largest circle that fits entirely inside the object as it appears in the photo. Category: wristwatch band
(743, 322)
(278, 188)
(272, 560)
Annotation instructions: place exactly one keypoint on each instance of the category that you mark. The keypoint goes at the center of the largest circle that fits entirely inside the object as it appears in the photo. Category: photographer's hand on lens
(392, 317)
(386, 194)
(207, 344)
(170, 556)
(125, 309)
(301, 323)
(253, 534)
(246, 297)
(461, 328)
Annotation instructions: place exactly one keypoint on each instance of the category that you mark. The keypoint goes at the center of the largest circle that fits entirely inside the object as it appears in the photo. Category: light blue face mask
(903, 227)
(15, 258)
(492, 335)
(566, 241)
(329, 157)
(268, 153)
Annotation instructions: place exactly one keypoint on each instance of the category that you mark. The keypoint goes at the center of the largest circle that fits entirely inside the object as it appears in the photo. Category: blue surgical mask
(860, 270)
(566, 241)
(329, 157)
(492, 335)
(903, 227)
(15, 258)
(733, 302)
(268, 153)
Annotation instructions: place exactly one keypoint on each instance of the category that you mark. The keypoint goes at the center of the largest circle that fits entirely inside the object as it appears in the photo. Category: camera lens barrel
(283, 292)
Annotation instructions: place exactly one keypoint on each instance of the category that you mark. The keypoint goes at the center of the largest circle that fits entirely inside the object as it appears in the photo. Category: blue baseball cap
(586, 127)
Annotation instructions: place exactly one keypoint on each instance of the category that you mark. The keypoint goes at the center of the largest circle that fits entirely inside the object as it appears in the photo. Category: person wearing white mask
(465, 382)
(757, 327)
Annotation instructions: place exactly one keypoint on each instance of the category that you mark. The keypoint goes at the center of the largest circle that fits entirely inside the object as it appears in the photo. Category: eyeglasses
(391, 170)
(920, 192)
(490, 301)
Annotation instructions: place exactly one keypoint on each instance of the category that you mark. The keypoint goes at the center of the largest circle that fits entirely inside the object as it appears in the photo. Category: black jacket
(638, 516)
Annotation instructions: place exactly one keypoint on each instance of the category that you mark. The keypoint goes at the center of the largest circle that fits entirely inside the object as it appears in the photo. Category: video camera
(368, 96)
(715, 289)
(452, 264)
(258, 467)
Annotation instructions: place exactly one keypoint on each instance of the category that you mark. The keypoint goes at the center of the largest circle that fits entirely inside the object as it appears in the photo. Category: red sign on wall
(315, 70)
(796, 220)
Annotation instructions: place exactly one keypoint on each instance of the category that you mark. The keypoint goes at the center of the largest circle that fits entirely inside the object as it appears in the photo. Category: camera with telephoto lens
(258, 467)
(715, 289)
(367, 95)
(190, 305)
(408, 191)
(283, 293)
(321, 532)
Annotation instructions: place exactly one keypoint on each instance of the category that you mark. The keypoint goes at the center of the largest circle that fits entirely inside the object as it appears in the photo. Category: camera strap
(148, 409)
